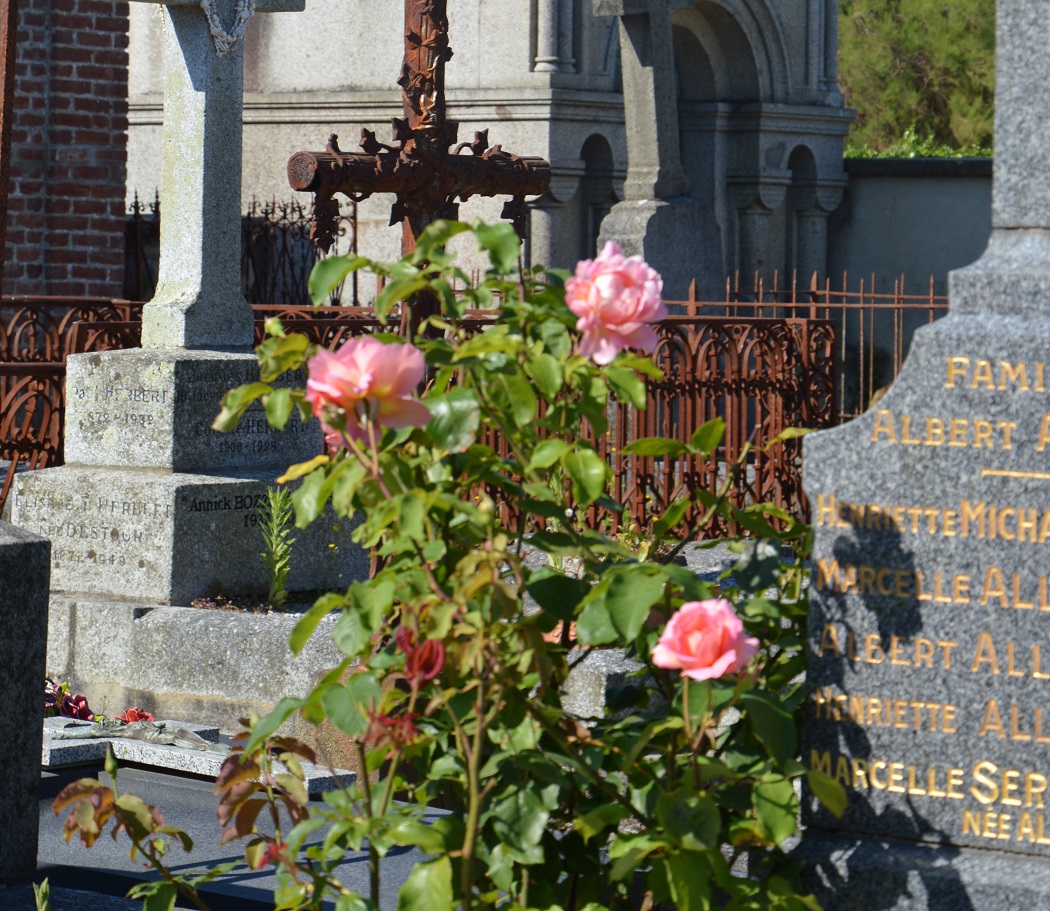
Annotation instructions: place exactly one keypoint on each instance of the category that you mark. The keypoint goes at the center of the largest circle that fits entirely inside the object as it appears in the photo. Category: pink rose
(705, 640)
(615, 299)
(366, 380)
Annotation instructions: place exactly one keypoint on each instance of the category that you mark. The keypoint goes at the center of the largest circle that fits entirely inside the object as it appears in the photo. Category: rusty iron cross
(420, 169)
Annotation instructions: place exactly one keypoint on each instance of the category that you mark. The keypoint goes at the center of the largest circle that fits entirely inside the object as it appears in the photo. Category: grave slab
(186, 802)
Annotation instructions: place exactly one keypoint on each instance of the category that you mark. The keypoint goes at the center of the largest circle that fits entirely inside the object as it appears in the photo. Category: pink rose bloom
(705, 640)
(368, 380)
(615, 299)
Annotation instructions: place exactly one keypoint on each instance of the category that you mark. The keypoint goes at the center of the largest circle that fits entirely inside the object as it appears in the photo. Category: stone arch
(744, 46)
(597, 194)
(805, 220)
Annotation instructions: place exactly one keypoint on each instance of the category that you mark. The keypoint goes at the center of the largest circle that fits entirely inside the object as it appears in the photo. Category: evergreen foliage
(922, 69)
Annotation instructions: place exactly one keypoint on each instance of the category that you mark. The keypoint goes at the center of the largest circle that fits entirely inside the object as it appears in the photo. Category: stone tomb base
(168, 538)
(885, 874)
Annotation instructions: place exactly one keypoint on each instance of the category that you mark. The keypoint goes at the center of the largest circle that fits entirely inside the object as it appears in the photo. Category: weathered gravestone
(152, 504)
(929, 654)
(23, 622)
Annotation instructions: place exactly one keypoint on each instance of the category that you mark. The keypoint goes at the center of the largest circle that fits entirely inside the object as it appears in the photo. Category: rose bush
(462, 642)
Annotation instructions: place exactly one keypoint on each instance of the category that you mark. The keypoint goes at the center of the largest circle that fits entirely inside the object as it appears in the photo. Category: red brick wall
(69, 150)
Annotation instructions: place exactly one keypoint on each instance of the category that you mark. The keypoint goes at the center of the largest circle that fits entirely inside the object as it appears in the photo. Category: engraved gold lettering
(982, 375)
(884, 425)
(994, 587)
(985, 654)
(992, 721)
(982, 773)
(958, 368)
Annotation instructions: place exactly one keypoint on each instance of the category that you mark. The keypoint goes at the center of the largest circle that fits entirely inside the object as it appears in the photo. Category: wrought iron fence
(759, 375)
(873, 331)
(277, 255)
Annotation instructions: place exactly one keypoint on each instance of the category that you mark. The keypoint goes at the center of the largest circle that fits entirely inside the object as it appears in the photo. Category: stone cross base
(153, 504)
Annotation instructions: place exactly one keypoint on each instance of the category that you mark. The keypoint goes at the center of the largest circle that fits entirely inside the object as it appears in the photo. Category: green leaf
(691, 819)
(236, 402)
(456, 419)
(428, 887)
(707, 436)
(776, 807)
(547, 373)
(329, 273)
(555, 592)
(502, 244)
(518, 397)
(599, 819)
(619, 604)
(657, 447)
(438, 234)
(772, 725)
(400, 289)
(347, 706)
(627, 386)
(671, 518)
(278, 406)
(269, 723)
(828, 791)
(757, 568)
(556, 338)
(688, 878)
(161, 899)
(588, 472)
(310, 498)
(520, 820)
(310, 620)
(547, 454)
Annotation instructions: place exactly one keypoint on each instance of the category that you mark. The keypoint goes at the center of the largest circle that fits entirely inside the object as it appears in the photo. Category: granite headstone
(929, 660)
(23, 620)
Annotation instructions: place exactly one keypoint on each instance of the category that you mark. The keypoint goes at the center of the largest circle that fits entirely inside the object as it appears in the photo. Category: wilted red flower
(423, 660)
(274, 854)
(130, 716)
(395, 733)
(76, 706)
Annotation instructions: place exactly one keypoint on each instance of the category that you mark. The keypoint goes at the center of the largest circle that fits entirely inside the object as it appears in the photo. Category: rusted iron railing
(35, 336)
(873, 330)
(759, 375)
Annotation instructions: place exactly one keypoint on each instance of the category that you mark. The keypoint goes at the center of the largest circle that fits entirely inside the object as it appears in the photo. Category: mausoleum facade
(760, 121)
